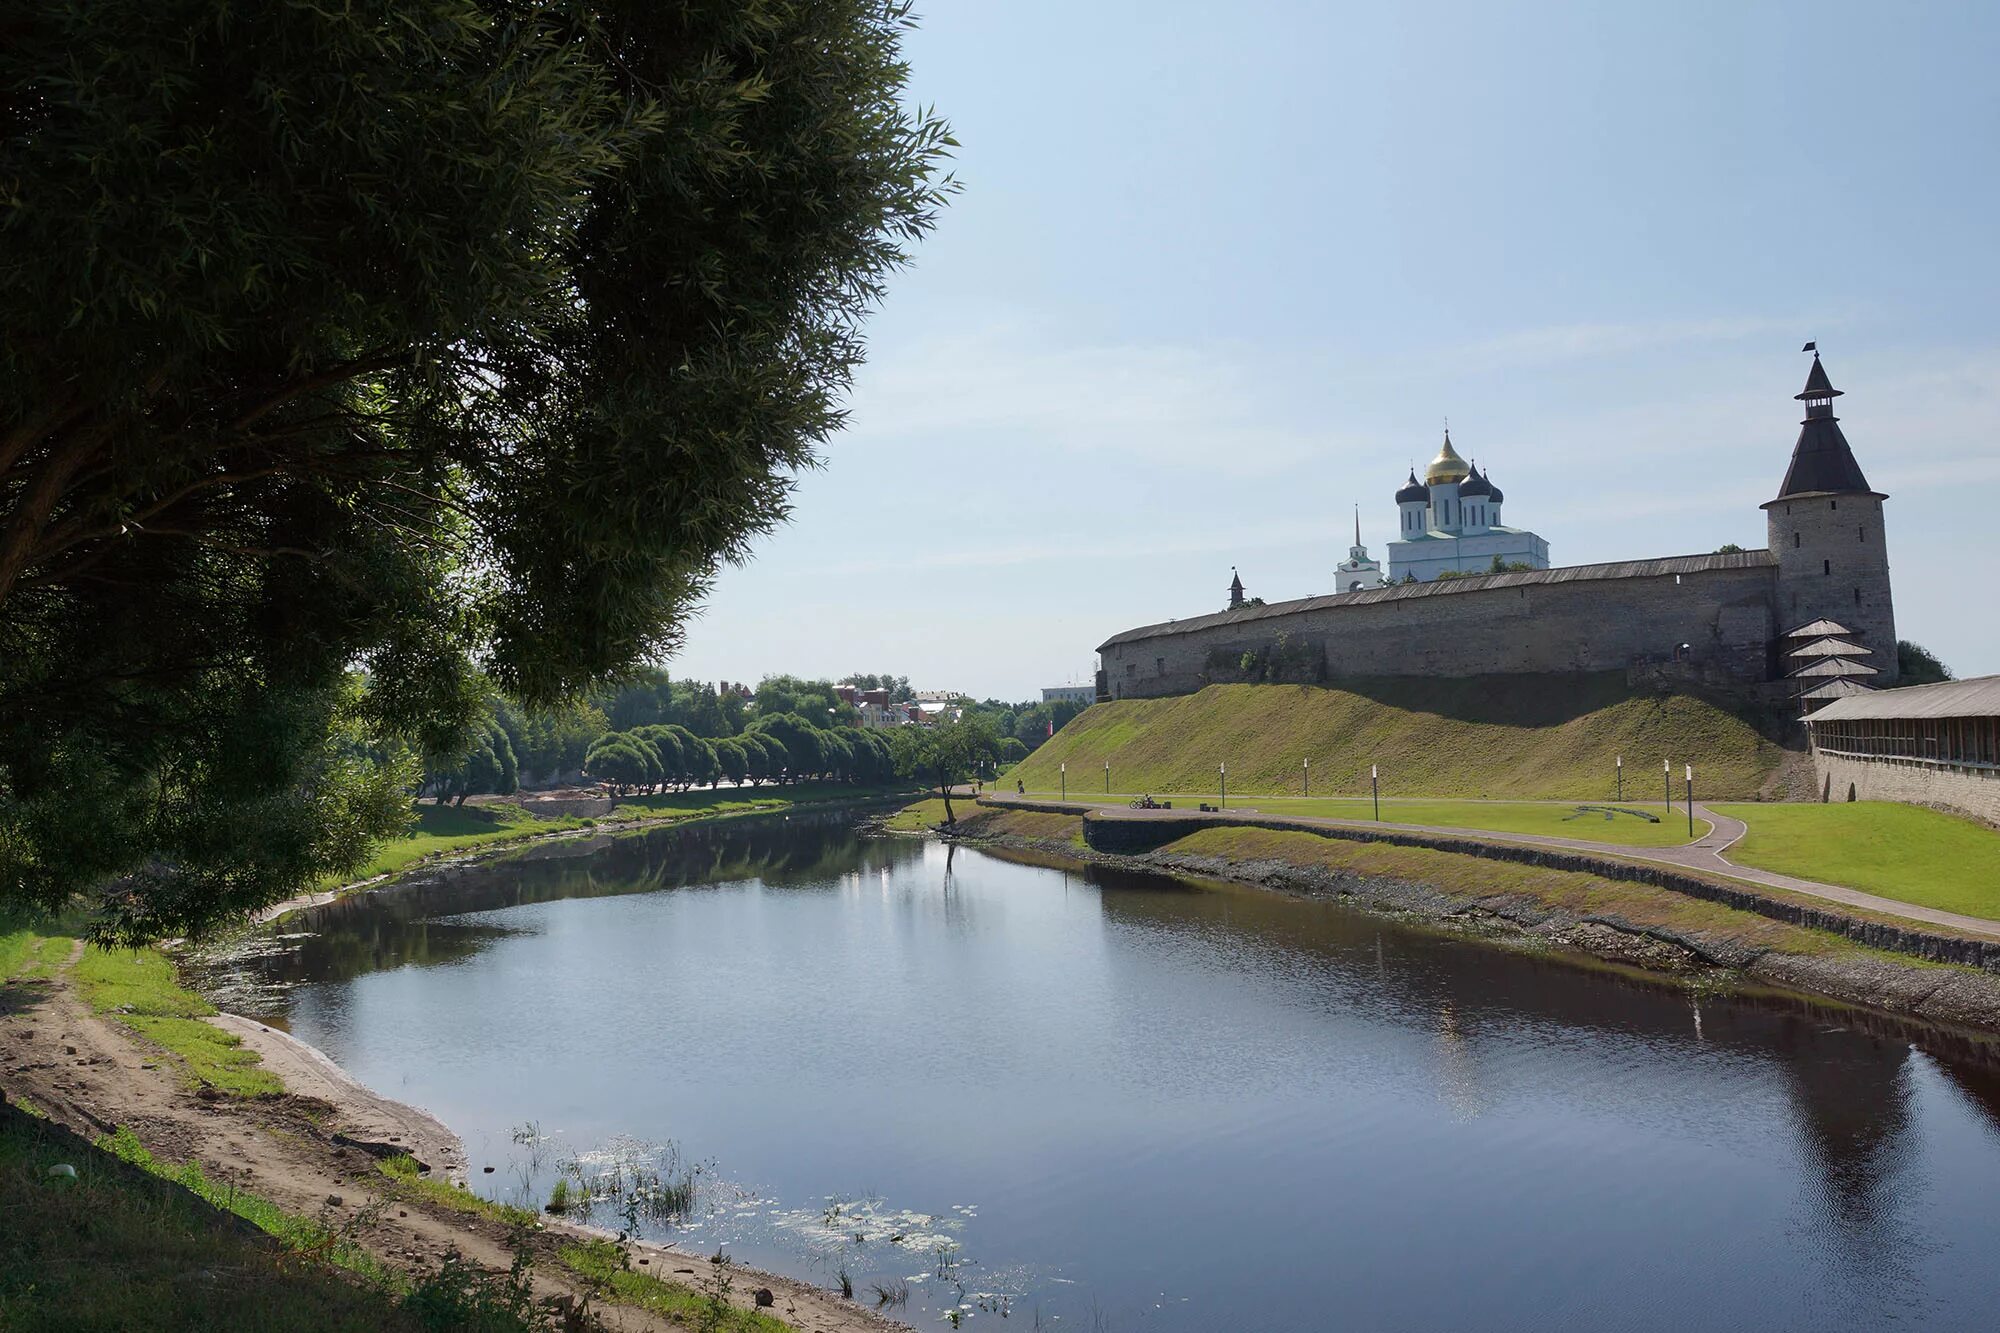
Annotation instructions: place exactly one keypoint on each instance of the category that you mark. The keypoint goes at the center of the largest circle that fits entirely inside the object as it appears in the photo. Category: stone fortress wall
(1582, 618)
(1717, 619)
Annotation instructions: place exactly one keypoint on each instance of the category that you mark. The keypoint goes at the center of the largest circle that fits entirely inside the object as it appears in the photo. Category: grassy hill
(1537, 737)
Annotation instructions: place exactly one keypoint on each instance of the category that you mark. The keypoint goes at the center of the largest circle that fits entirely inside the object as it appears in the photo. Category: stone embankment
(1648, 915)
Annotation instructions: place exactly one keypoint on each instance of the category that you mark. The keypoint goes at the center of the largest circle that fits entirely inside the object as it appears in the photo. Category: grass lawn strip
(1904, 852)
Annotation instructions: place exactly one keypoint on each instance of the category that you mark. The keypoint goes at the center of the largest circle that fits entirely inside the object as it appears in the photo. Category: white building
(1451, 521)
(1358, 571)
(1082, 694)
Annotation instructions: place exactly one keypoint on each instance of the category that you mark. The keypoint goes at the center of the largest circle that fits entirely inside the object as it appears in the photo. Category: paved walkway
(1703, 854)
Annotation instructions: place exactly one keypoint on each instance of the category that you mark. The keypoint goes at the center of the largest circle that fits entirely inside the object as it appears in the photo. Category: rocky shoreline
(1958, 1003)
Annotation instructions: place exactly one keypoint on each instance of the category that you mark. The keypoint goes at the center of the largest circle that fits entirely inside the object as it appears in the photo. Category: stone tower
(1827, 534)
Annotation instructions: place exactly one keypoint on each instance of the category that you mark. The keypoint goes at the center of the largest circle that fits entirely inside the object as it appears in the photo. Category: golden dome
(1447, 466)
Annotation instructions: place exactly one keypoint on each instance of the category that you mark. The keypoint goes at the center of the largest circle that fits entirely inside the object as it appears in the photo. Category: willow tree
(396, 336)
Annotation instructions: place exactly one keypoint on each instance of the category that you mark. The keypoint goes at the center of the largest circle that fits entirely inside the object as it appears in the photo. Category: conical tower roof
(1822, 462)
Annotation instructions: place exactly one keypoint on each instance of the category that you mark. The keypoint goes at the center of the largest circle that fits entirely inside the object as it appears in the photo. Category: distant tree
(645, 698)
(732, 759)
(486, 765)
(1729, 548)
(1918, 665)
(947, 752)
(553, 740)
(1010, 751)
(798, 739)
(770, 761)
(703, 765)
(624, 761)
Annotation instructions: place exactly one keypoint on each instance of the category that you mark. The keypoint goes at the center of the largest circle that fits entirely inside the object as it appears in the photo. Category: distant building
(849, 693)
(1450, 521)
(1080, 694)
(881, 716)
(1359, 570)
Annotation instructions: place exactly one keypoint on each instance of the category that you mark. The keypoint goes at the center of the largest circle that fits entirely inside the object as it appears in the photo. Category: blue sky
(1219, 273)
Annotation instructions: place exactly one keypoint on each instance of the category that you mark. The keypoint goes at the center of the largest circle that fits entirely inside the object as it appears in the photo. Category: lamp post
(1621, 777)
(1375, 789)
(1062, 771)
(1307, 766)
(1690, 799)
(1667, 776)
(1222, 771)
(1107, 777)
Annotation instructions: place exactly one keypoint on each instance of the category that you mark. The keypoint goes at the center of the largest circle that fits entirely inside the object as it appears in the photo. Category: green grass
(603, 1263)
(406, 1184)
(1513, 737)
(701, 802)
(26, 954)
(1608, 822)
(1579, 892)
(921, 815)
(1899, 851)
(139, 989)
(443, 828)
(300, 1235)
(108, 1251)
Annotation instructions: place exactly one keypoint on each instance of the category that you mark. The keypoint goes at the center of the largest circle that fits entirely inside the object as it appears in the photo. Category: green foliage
(1729, 548)
(485, 766)
(948, 752)
(407, 335)
(1918, 665)
(624, 761)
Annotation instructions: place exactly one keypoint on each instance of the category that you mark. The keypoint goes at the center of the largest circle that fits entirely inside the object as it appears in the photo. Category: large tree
(404, 334)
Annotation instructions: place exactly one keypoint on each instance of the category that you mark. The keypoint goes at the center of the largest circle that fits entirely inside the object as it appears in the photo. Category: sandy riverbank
(314, 1151)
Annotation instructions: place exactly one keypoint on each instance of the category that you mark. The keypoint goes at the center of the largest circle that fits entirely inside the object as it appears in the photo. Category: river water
(1125, 1102)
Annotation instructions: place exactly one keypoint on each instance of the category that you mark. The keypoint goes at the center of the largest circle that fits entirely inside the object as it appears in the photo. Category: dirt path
(313, 1150)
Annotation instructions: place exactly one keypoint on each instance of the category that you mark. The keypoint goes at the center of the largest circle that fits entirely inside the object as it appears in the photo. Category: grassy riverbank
(112, 1249)
(1630, 824)
(1899, 851)
(1580, 910)
(1492, 737)
(451, 830)
(139, 989)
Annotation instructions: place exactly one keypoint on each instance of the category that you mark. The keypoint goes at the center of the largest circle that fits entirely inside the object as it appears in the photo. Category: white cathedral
(1449, 521)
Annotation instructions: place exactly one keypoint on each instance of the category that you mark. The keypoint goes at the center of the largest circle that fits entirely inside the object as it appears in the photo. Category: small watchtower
(1826, 530)
(1235, 589)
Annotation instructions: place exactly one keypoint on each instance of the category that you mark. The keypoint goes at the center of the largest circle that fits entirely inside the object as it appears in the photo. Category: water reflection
(1185, 1106)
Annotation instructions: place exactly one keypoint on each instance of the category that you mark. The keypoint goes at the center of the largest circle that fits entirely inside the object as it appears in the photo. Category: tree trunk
(944, 790)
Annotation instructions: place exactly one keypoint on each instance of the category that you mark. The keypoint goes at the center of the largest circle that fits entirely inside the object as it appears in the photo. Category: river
(1111, 1101)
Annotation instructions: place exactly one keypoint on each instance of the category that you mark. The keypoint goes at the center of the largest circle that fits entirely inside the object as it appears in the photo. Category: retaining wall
(1136, 837)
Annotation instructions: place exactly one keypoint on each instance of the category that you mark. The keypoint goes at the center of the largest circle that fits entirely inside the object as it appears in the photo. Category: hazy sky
(1219, 272)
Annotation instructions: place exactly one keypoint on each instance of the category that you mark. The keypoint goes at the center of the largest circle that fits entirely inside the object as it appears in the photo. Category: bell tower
(1826, 531)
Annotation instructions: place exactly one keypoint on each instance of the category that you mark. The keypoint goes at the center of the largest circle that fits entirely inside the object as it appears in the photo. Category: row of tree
(653, 732)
